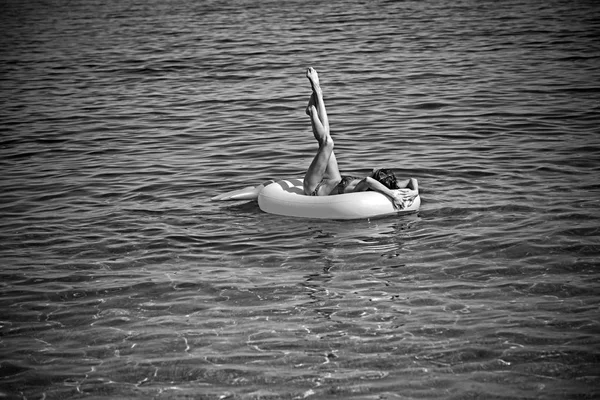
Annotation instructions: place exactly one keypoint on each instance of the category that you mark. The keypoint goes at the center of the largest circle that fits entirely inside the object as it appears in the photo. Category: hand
(407, 194)
(398, 200)
(401, 197)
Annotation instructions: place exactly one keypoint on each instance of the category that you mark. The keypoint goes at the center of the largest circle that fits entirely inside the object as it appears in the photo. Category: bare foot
(313, 77)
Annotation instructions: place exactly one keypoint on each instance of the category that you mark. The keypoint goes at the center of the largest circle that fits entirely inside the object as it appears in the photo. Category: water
(120, 279)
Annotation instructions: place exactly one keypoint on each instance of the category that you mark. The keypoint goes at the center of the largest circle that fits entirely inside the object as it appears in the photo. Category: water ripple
(119, 121)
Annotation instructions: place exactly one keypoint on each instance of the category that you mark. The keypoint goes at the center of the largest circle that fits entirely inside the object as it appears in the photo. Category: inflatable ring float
(286, 197)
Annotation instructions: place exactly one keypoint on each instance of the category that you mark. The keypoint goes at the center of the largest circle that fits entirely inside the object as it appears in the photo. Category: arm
(409, 192)
(413, 184)
(370, 183)
(411, 189)
(409, 183)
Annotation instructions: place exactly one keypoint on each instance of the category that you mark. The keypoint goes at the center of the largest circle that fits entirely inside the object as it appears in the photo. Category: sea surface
(120, 279)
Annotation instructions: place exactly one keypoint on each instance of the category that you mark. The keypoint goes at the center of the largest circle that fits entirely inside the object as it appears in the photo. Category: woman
(323, 177)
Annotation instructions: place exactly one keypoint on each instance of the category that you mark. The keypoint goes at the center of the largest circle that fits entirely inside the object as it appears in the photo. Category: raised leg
(319, 165)
(313, 78)
(324, 166)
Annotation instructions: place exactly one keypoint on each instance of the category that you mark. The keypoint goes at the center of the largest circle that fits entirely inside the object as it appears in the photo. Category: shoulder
(403, 183)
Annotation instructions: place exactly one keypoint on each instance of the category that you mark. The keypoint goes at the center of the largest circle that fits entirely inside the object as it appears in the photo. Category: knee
(327, 142)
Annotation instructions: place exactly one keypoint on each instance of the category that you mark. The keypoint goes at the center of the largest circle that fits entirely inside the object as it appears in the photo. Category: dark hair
(386, 177)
